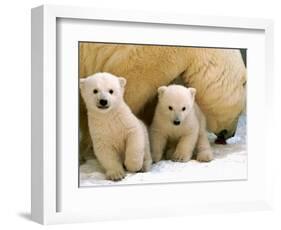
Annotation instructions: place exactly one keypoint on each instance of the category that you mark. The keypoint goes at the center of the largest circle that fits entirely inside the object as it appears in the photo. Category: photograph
(161, 114)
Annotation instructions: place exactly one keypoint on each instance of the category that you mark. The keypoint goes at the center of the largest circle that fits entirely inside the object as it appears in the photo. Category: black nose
(177, 122)
(221, 137)
(103, 102)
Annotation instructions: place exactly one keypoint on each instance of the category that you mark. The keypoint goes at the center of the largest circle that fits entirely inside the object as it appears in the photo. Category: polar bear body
(118, 136)
(179, 126)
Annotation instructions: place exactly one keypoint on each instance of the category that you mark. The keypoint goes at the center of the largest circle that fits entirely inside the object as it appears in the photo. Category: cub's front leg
(135, 150)
(204, 150)
(184, 149)
(158, 143)
(147, 161)
(111, 162)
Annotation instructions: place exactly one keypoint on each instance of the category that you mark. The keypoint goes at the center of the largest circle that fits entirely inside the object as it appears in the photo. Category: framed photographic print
(143, 114)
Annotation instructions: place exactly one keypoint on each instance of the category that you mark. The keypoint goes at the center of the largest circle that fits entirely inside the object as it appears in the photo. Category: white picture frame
(50, 190)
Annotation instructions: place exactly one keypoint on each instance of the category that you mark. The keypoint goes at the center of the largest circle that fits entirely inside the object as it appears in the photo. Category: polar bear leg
(158, 144)
(112, 164)
(203, 147)
(147, 159)
(134, 154)
(85, 146)
(184, 149)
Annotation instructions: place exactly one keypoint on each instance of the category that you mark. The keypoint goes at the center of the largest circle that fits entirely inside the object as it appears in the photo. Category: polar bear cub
(179, 127)
(119, 137)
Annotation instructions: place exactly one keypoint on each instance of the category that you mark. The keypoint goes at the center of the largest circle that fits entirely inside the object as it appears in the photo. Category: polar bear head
(102, 92)
(175, 102)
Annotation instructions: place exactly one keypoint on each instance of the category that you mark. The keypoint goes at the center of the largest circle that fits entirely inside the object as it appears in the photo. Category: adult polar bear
(218, 75)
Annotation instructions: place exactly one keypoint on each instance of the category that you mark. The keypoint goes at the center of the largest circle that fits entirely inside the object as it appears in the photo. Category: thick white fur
(176, 103)
(218, 75)
(118, 136)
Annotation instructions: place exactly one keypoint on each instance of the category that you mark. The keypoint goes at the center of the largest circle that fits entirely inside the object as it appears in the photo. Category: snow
(230, 163)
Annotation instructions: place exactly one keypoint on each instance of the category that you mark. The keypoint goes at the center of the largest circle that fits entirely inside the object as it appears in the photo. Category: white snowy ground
(230, 163)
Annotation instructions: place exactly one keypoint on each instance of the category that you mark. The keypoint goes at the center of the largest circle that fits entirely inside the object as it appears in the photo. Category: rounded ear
(192, 92)
(122, 81)
(161, 90)
(82, 82)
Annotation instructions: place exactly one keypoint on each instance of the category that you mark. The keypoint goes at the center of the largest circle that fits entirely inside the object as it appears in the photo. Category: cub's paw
(180, 157)
(146, 165)
(133, 165)
(205, 156)
(115, 175)
(156, 157)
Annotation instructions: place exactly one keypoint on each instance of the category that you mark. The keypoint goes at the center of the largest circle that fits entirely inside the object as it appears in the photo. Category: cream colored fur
(178, 126)
(118, 136)
(219, 76)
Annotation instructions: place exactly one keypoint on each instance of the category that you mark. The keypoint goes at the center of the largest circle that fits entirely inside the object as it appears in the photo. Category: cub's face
(102, 92)
(175, 102)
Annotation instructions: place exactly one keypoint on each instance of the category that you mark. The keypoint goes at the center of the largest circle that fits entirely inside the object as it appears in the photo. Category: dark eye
(95, 91)
(111, 91)
(183, 108)
(170, 108)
